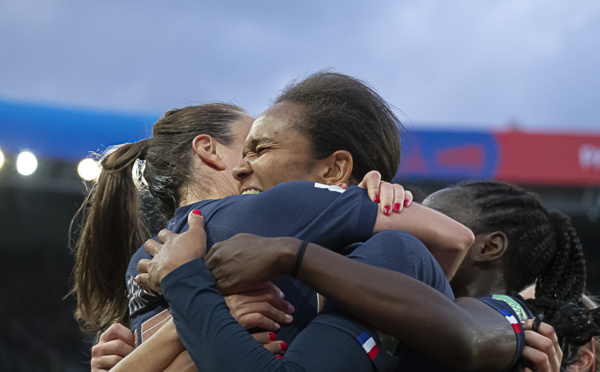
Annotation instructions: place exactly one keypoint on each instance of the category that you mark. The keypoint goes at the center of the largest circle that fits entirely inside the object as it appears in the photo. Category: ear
(585, 361)
(492, 246)
(207, 149)
(335, 169)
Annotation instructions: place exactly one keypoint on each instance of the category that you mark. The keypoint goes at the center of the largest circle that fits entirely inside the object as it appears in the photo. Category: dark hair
(344, 113)
(543, 248)
(110, 224)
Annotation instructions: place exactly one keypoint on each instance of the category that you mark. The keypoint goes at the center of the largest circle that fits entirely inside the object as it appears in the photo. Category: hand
(542, 348)
(177, 250)
(245, 261)
(114, 344)
(391, 197)
(260, 308)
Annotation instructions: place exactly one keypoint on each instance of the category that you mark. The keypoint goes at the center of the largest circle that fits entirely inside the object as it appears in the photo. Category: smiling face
(275, 152)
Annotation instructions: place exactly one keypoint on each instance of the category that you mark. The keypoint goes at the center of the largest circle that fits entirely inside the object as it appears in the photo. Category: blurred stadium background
(491, 90)
(42, 185)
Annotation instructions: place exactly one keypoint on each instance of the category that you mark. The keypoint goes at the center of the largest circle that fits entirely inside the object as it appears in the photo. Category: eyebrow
(257, 141)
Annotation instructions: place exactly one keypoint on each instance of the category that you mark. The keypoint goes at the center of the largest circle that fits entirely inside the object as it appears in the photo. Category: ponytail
(110, 223)
(112, 231)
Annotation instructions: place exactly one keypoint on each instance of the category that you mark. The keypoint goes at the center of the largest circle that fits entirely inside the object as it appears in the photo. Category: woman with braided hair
(519, 242)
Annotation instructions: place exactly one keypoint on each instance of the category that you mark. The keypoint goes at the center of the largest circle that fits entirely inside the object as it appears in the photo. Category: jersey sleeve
(325, 215)
(216, 342)
(510, 314)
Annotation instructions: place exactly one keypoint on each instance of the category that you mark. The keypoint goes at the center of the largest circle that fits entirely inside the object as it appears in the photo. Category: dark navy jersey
(333, 341)
(325, 215)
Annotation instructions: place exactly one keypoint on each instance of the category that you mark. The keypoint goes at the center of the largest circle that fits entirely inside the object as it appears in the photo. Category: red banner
(548, 158)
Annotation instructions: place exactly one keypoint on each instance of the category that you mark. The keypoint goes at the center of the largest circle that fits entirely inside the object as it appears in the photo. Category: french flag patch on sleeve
(368, 344)
(512, 320)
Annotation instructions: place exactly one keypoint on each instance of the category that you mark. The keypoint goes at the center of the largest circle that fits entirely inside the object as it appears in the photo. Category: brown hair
(110, 224)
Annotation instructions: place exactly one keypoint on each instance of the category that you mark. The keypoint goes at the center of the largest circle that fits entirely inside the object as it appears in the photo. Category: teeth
(251, 192)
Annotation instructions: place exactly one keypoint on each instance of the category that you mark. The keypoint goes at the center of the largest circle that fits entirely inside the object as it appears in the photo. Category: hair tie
(536, 324)
(299, 256)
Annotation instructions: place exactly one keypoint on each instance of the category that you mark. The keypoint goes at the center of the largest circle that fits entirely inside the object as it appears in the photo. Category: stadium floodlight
(1, 158)
(88, 169)
(26, 163)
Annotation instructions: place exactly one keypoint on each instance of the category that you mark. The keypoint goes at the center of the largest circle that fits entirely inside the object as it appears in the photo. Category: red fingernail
(283, 346)
(135, 279)
(406, 202)
(272, 336)
(376, 198)
(397, 207)
(197, 211)
(278, 356)
(387, 209)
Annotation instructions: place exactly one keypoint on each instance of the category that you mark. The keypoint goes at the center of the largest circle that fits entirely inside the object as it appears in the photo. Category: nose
(242, 170)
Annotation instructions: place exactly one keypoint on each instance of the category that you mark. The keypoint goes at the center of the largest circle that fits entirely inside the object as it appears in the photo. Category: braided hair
(543, 248)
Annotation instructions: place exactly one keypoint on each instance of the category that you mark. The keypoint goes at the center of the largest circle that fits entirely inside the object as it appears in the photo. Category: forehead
(241, 127)
(276, 122)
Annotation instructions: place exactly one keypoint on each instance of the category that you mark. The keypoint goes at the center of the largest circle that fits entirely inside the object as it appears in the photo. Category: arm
(156, 354)
(468, 333)
(214, 339)
(447, 240)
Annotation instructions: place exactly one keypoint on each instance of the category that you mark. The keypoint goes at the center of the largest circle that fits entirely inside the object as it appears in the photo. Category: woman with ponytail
(110, 224)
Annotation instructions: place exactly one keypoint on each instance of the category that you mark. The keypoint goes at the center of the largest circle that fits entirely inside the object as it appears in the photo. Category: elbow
(469, 239)
(468, 355)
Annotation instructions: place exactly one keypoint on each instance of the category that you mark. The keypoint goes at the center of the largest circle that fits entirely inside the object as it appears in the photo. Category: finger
(386, 195)
(538, 358)
(539, 341)
(265, 309)
(105, 363)
(143, 266)
(165, 235)
(265, 337)
(113, 347)
(371, 182)
(143, 281)
(398, 198)
(118, 331)
(276, 347)
(152, 247)
(257, 320)
(408, 198)
(269, 294)
(554, 353)
(196, 224)
(269, 341)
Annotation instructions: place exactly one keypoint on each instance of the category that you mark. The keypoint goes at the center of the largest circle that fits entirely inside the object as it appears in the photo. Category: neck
(483, 283)
(213, 184)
